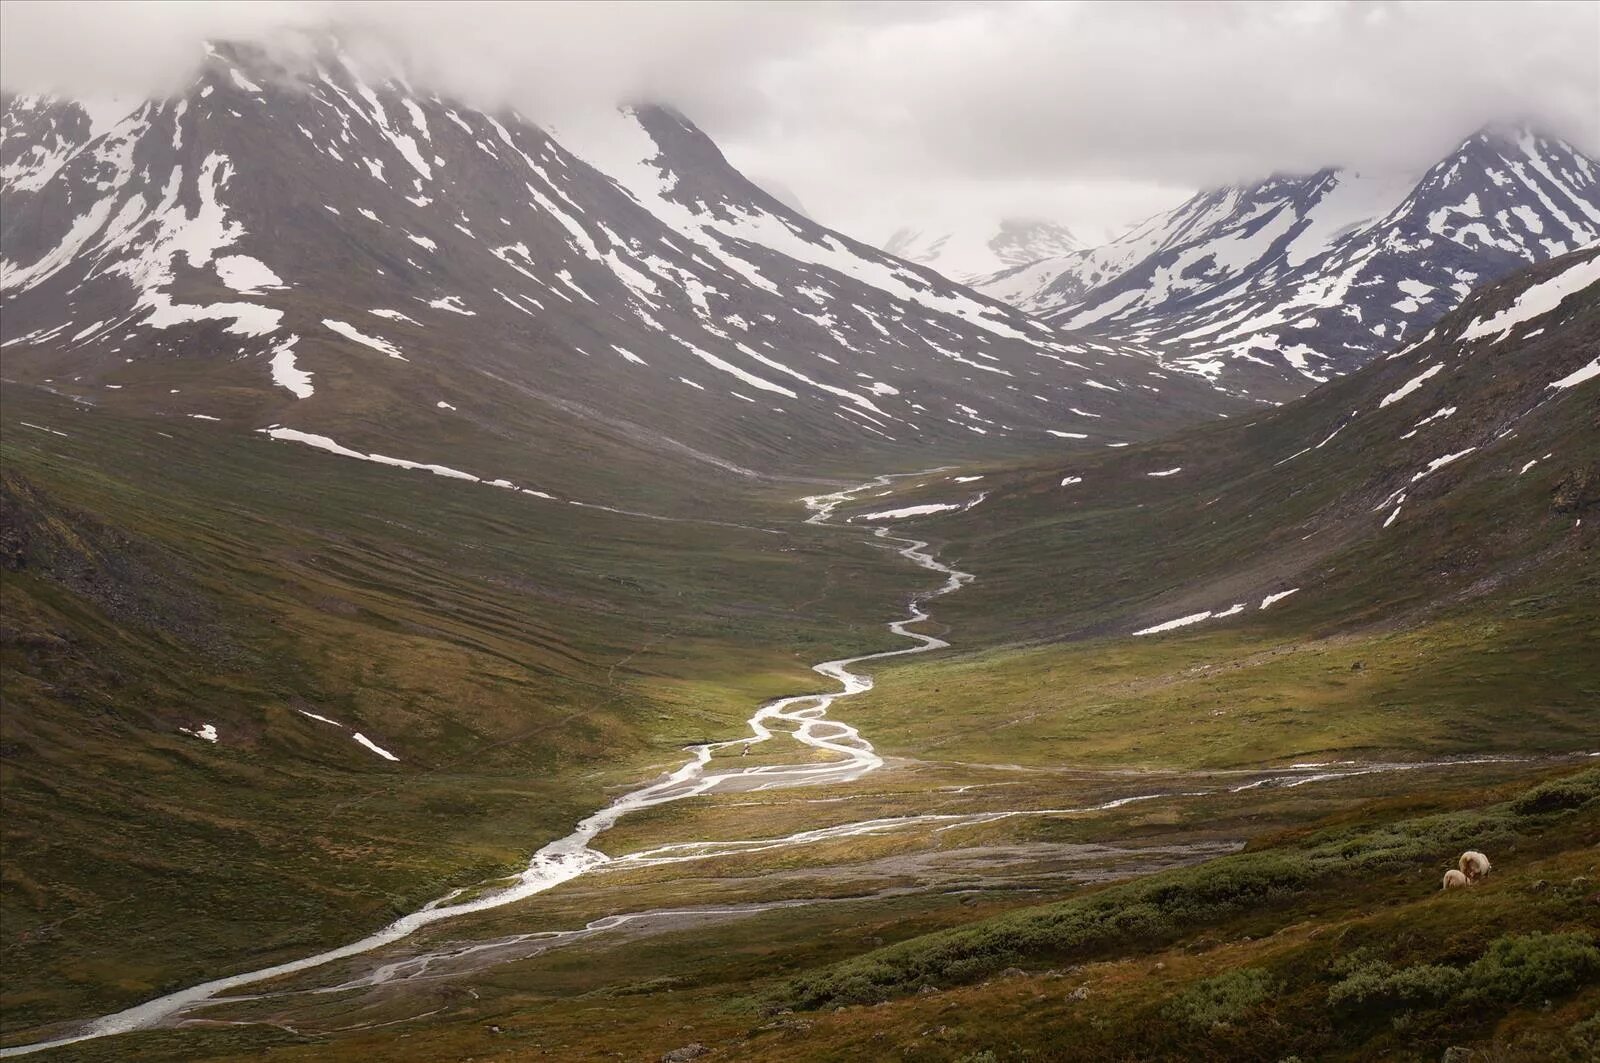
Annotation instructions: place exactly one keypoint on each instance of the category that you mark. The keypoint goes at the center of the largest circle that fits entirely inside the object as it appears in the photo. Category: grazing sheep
(1474, 865)
(1454, 879)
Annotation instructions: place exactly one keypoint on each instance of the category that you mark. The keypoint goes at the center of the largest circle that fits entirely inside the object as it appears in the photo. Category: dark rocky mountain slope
(1461, 466)
(354, 264)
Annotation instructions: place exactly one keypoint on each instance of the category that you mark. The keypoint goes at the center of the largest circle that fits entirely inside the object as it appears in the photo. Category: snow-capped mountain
(1453, 468)
(1230, 234)
(322, 253)
(966, 254)
(1276, 286)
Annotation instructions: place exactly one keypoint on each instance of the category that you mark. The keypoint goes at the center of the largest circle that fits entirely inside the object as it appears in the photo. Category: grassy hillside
(1331, 941)
(1303, 497)
(1365, 601)
(520, 657)
(1051, 863)
(1509, 675)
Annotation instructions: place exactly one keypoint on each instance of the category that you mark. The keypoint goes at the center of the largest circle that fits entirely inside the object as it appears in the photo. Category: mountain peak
(1300, 277)
(300, 252)
(968, 251)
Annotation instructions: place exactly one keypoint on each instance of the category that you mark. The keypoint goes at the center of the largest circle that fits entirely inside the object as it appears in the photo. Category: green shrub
(1225, 998)
(1352, 961)
(1573, 791)
(1377, 985)
(1532, 967)
(634, 989)
(1147, 911)
(1583, 1040)
(1514, 969)
(858, 990)
(1158, 910)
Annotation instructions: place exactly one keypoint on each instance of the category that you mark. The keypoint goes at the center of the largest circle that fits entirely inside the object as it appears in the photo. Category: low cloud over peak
(878, 114)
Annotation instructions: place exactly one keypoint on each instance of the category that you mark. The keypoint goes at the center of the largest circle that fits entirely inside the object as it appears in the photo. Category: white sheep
(1454, 879)
(1474, 865)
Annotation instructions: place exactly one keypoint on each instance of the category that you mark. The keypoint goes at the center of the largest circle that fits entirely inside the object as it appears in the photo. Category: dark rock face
(129, 580)
(686, 1053)
(1275, 287)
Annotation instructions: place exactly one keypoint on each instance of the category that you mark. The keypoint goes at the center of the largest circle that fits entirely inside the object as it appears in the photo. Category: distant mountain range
(1273, 287)
(967, 254)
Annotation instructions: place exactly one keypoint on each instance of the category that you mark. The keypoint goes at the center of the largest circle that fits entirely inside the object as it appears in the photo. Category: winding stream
(805, 718)
(566, 858)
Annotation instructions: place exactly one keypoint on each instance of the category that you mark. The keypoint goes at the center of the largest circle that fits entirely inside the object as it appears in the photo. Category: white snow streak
(370, 744)
(1411, 385)
(350, 332)
(1578, 376)
(1182, 621)
(1280, 596)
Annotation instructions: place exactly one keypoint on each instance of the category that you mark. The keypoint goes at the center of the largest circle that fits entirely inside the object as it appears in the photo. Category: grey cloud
(874, 114)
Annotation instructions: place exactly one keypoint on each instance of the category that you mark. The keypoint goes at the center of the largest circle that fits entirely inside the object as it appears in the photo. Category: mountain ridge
(1398, 465)
(1297, 279)
(302, 228)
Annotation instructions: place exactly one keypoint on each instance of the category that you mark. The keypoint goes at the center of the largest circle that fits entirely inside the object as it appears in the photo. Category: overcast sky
(938, 114)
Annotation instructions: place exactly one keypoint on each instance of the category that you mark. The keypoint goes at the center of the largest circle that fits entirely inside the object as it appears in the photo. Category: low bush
(1226, 998)
(1532, 967)
(1514, 969)
(1557, 795)
(1153, 912)
(1376, 985)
